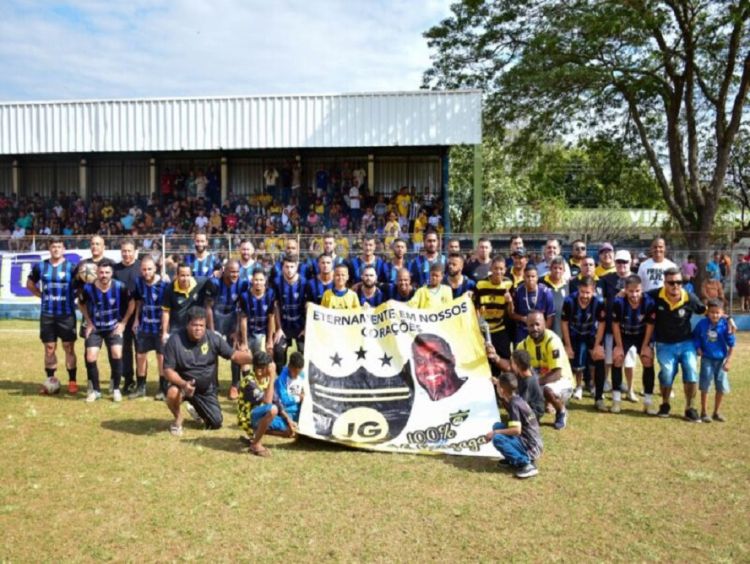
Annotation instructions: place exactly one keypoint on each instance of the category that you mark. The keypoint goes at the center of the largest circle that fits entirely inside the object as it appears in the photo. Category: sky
(89, 49)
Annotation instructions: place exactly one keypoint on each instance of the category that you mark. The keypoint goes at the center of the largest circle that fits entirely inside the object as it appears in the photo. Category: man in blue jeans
(674, 343)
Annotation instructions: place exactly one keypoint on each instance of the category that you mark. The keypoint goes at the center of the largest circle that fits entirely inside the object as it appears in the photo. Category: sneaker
(616, 407)
(607, 386)
(175, 430)
(117, 396)
(691, 414)
(600, 405)
(561, 420)
(650, 409)
(160, 396)
(527, 471)
(128, 388)
(139, 392)
(72, 388)
(194, 414)
(720, 418)
(705, 418)
(233, 393)
(92, 396)
(632, 397)
(578, 394)
(664, 410)
(89, 387)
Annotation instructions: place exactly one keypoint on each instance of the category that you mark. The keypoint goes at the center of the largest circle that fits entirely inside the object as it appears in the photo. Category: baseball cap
(519, 252)
(622, 255)
(606, 247)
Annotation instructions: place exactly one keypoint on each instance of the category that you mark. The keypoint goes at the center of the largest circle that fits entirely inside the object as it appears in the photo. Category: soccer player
(318, 284)
(97, 247)
(105, 307)
(479, 266)
(148, 295)
(127, 271)
(190, 358)
(454, 277)
(493, 301)
(329, 248)
(402, 290)
(53, 280)
(291, 248)
(340, 297)
(221, 300)
(583, 319)
(368, 258)
(549, 359)
(390, 269)
(201, 262)
(674, 343)
(290, 310)
(434, 293)
(257, 316)
(555, 281)
(420, 265)
(632, 329)
(247, 260)
(531, 296)
(367, 291)
(652, 270)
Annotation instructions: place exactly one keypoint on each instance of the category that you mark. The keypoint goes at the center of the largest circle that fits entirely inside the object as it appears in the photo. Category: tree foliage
(671, 77)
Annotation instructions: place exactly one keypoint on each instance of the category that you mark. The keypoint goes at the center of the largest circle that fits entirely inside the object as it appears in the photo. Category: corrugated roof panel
(259, 122)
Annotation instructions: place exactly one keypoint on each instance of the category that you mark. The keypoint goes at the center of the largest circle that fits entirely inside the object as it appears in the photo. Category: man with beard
(390, 269)
(478, 267)
(401, 290)
(190, 358)
(290, 310)
(97, 247)
(148, 295)
(420, 265)
(454, 278)
(435, 366)
(367, 291)
(53, 281)
(127, 271)
(368, 258)
(329, 248)
(317, 285)
(104, 306)
(247, 260)
(202, 263)
(549, 359)
(221, 299)
(291, 248)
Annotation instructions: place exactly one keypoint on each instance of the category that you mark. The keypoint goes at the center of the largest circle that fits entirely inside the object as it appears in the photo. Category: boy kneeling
(519, 441)
(257, 412)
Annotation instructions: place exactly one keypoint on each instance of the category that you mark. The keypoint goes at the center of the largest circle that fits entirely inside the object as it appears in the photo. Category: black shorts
(96, 339)
(207, 405)
(145, 342)
(52, 328)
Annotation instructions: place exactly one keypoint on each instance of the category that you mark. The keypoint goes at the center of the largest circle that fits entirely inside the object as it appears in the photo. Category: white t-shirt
(271, 175)
(360, 175)
(201, 221)
(652, 273)
(295, 386)
(354, 198)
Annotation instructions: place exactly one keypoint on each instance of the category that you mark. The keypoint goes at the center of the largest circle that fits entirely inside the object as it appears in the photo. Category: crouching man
(190, 359)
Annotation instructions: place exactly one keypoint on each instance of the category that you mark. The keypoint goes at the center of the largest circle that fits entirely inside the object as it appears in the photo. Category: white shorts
(609, 345)
(561, 389)
(631, 356)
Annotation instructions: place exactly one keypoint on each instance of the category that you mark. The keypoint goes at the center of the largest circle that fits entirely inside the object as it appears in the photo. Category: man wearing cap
(520, 261)
(606, 260)
(551, 250)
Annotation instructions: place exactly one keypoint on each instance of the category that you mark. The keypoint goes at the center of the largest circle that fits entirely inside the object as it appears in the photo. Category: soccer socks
(116, 364)
(72, 374)
(616, 377)
(92, 371)
(235, 375)
(599, 378)
(50, 372)
(140, 381)
(649, 375)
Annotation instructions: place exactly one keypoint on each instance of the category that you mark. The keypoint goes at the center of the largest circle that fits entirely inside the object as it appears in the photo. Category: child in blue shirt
(289, 386)
(714, 342)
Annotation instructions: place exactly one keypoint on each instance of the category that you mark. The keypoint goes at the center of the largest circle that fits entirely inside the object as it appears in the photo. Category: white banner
(398, 379)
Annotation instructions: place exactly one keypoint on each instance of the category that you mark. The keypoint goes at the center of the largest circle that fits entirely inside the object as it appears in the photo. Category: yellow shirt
(494, 299)
(600, 271)
(548, 356)
(426, 297)
(402, 204)
(348, 300)
(419, 227)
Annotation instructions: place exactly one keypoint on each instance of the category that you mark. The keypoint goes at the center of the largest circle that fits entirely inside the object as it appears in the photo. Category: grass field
(107, 482)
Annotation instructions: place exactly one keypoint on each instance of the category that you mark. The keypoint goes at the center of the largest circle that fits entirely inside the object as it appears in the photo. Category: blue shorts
(258, 413)
(673, 355)
(711, 370)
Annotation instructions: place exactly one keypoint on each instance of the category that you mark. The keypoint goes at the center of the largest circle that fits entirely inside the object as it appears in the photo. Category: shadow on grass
(306, 444)
(142, 427)
(17, 388)
(224, 444)
(476, 464)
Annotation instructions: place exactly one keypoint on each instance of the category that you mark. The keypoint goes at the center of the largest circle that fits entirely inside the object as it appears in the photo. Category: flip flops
(262, 451)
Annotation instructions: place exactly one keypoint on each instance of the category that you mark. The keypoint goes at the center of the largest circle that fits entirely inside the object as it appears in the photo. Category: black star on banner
(360, 353)
(385, 359)
(335, 359)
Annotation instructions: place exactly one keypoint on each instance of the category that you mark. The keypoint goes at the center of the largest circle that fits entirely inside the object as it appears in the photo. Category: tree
(671, 75)
(738, 182)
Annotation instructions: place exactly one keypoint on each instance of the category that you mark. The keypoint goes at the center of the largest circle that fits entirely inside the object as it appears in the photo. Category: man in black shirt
(190, 359)
(127, 271)
(478, 267)
(674, 343)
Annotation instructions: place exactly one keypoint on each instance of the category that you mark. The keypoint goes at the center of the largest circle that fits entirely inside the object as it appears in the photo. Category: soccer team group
(552, 329)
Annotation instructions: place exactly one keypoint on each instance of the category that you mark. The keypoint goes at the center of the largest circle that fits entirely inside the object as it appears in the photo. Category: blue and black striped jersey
(258, 310)
(314, 290)
(466, 285)
(291, 298)
(377, 298)
(633, 320)
(151, 298)
(583, 322)
(57, 287)
(203, 268)
(108, 308)
(357, 265)
(420, 269)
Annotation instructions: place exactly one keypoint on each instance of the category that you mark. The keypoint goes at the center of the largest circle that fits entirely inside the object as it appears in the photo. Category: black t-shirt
(196, 360)
(128, 274)
(521, 414)
(530, 390)
(673, 320)
(178, 302)
(477, 270)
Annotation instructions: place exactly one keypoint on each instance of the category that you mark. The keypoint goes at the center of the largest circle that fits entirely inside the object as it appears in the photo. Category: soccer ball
(87, 272)
(51, 386)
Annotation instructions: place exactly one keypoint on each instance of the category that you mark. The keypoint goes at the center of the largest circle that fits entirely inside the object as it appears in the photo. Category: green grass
(107, 482)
